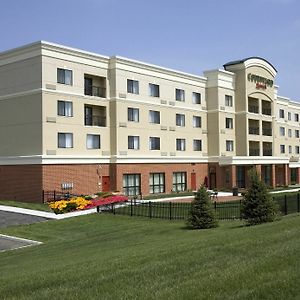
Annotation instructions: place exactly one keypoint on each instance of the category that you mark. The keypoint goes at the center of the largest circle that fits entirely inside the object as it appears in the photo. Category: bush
(202, 215)
(257, 204)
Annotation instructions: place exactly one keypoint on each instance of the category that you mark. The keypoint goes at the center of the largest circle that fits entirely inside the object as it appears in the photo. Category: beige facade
(65, 107)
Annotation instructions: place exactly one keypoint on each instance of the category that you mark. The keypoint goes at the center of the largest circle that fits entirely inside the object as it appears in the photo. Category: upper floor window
(180, 120)
(297, 133)
(133, 114)
(65, 108)
(133, 142)
(296, 117)
(290, 149)
(196, 121)
(154, 143)
(93, 141)
(282, 131)
(281, 113)
(64, 76)
(153, 90)
(297, 149)
(228, 100)
(132, 86)
(180, 144)
(179, 95)
(290, 133)
(196, 98)
(65, 140)
(154, 116)
(197, 145)
(282, 148)
(229, 123)
(229, 145)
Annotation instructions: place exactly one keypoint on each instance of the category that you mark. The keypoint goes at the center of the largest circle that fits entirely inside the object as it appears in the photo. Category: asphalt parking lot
(11, 219)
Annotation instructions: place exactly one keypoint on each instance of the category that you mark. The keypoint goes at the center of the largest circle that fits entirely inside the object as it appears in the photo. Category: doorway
(193, 182)
(105, 184)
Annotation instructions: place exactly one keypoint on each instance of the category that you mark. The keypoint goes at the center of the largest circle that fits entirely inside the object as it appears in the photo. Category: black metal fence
(49, 196)
(288, 203)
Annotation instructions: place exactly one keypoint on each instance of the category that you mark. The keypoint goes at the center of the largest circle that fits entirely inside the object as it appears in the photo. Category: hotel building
(77, 121)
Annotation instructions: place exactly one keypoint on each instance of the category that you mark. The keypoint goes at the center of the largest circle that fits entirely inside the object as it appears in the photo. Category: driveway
(10, 219)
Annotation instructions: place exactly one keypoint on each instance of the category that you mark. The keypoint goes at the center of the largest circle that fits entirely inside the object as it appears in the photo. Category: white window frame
(229, 146)
(65, 140)
(229, 123)
(228, 101)
(133, 142)
(154, 116)
(154, 90)
(180, 120)
(64, 76)
(65, 108)
(196, 98)
(93, 141)
(197, 122)
(133, 114)
(132, 86)
(180, 144)
(180, 95)
(154, 143)
(197, 145)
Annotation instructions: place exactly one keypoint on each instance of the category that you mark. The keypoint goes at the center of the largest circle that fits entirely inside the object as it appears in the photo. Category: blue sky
(191, 36)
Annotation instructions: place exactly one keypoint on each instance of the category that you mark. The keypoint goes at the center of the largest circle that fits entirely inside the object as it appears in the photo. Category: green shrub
(257, 205)
(202, 215)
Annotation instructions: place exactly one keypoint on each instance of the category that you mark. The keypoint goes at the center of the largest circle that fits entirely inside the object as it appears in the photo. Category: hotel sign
(261, 82)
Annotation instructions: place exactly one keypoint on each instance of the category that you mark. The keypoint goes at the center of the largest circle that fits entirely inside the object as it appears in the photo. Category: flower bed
(107, 200)
(63, 206)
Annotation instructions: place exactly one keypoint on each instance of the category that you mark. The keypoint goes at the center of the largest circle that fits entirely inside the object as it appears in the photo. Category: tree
(257, 205)
(202, 214)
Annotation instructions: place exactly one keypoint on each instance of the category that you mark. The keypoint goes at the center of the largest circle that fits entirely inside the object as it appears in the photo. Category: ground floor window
(240, 176)
(132, 184)
(179, 181)
(157, 183)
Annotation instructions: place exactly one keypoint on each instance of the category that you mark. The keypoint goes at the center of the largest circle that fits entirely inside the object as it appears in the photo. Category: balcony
(95, 115)
(253, 106)
(253, 152)
(267, 149)
(266, 108)
(254, 130)
(95, 86)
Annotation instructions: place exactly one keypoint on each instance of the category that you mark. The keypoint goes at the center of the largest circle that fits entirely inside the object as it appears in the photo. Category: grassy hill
(119, 257)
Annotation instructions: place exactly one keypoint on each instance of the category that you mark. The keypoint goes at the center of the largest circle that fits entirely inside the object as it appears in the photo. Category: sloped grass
(118, 257)
(36, 206)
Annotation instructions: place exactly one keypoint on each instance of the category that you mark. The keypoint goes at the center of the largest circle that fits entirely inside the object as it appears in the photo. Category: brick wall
(21, 183)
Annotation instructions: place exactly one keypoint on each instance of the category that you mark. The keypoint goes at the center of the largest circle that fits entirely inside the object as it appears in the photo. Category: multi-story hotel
(78, 121)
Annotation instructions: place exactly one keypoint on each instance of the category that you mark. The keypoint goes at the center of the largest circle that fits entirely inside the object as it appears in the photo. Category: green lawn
(36, 206)
(102, 256)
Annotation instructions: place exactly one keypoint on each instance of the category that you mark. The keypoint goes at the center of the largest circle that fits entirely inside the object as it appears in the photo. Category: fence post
(298, 202)
(215, 205)
(98, 209)
(170, 210)
(113, 208)
(43, 195)
(131, 207)
(285, 205)
(150, 212)
(54, 195)
(240, 209)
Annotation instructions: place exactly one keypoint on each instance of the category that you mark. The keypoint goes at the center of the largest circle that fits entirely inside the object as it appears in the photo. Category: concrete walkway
(11, 243)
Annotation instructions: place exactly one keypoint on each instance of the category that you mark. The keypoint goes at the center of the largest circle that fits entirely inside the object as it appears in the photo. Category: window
(180, 144)
(296, 117)
(157, 183)
(290, 149)
(133, 114)
(296, 133)
(289, 116)
(133, 142)
(93, 141)
(229, 145)
(197, 145)
(228, 100)
(179, 95)
(154, 116)
(282, 148)
(154, 143)
(179, 181)
(65, 108)
(229, 123)
(196, 122)
(281, 114)
(290, 132)
(297, 149)
(64, 76)
(132, 86)
(153, 90)
(180, 120)
(282, 131)
(196, 98)
(65, 140)
(132, 184)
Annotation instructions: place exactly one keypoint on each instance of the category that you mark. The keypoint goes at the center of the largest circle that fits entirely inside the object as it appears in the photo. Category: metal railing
(267, 152)
(254, 130)
(267, 131)
(95, 91)
(253, 109)
(266, 111)
(95, 121)
(254, 152)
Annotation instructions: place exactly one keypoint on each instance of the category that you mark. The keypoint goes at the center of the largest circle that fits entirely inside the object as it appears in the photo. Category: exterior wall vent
(163, 101)
(164, 153)
(51, 152)
(172, 103)
(123, 124)
(172, 153)
(50, 86)
(204, 131)
(122, 95)
(51, 119)
(164, 127)
(222, 131)
(222, 107)
(172, 128)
